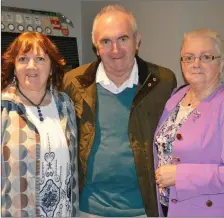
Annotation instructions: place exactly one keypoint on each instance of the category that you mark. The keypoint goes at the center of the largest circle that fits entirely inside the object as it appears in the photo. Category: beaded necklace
(36, 105)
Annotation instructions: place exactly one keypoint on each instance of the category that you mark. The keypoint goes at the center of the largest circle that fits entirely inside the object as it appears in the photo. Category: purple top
(198, 152)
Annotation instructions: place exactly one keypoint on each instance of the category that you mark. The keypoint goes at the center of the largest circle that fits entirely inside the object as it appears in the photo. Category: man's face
(115, 42)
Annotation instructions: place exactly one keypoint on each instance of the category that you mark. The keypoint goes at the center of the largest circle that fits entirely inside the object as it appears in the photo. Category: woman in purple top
(189, 140)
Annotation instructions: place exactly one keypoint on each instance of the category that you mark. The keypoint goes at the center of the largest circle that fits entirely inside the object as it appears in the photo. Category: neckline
(188, 107)
(42, 106)
(220, 87)
(31, 102)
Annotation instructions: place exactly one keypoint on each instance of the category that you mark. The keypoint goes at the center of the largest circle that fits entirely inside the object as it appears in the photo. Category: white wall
(162, 24)
(70, 8)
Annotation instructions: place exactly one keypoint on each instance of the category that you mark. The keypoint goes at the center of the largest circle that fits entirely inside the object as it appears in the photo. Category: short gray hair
(209, 33)
(116, 8)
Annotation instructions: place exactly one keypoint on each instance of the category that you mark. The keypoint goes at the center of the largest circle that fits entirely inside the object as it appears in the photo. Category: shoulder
(162, 72)
(7, 105)
(65, 100)
(62, 97)
(9, 110)
(69, 76)
(71, 79)
(181, 89)
(220, 96)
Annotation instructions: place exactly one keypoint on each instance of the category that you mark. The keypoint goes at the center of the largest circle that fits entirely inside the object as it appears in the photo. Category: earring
(51, 85)
(14, 82)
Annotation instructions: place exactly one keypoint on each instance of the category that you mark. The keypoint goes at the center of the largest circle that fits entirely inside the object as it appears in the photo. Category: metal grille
(67, 47)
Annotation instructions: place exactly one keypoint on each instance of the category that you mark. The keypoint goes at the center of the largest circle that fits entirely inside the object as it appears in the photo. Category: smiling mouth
(197, 73)
(31, 75)
(116, 58)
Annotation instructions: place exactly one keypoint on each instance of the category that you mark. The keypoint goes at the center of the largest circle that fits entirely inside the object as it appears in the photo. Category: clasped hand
(165, 175)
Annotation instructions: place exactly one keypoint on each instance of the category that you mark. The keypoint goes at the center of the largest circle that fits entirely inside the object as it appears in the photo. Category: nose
(115, 47)
(31, 64)
(197, 62)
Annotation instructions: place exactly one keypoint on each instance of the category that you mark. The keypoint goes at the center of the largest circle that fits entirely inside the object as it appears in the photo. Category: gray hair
(208, 33)
(116, 8)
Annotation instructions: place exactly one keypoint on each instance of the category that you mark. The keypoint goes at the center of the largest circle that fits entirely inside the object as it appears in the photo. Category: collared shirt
(105, 82)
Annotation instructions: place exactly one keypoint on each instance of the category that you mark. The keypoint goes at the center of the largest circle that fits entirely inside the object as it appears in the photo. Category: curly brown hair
(26, 42)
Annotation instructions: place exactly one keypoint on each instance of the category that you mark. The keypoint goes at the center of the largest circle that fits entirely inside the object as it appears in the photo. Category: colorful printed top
(21, 154)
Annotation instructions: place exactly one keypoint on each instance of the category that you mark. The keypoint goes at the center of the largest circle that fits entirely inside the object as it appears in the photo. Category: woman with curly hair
(39, 134)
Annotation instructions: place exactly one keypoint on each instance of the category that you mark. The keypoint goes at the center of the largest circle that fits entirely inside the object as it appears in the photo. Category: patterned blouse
(165, 138)
(55, 170)
(20, 150)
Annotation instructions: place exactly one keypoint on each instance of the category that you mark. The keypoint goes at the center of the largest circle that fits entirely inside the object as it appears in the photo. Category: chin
(196, 82)
(33, 88)
(121, 66)
(121, 70)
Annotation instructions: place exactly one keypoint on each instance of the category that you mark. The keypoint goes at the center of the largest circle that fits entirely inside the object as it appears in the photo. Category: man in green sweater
(118, 99)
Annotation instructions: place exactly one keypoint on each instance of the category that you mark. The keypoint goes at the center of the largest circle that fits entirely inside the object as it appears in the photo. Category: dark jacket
(155, 86)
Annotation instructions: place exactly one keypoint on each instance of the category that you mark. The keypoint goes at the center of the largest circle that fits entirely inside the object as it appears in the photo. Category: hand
(165, 175)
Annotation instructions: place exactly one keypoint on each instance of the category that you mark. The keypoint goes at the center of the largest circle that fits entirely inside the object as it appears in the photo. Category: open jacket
(198, 152)
(20, 150)
(155, 86)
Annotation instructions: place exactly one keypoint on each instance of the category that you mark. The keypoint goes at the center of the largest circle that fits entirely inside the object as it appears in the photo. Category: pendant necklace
(190, 103)
(36, 105)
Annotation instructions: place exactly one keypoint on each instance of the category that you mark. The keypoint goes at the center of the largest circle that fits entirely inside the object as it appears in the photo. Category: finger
(157, 177)
(157, 173)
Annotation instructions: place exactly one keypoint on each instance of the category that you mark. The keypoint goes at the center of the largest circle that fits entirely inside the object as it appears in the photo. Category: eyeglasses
(202, 58)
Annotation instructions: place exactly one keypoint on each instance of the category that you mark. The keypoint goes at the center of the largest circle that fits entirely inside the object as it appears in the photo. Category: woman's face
(32, 70)
(199, 73)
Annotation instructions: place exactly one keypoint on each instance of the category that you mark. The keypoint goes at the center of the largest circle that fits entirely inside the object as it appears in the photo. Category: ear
(97, 52)
(138, 40)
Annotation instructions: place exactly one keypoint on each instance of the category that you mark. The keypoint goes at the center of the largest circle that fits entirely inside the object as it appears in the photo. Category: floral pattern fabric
(164, 144)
